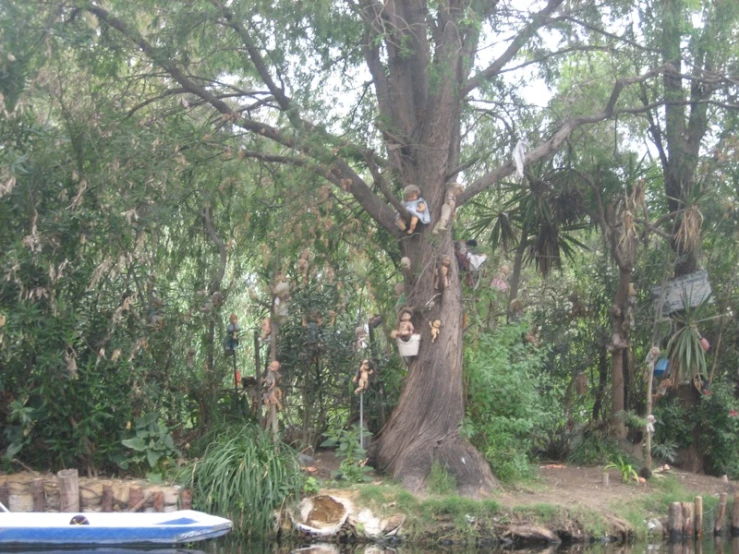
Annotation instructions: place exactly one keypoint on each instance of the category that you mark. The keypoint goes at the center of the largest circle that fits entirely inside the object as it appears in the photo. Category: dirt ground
(583, 486)
(570, 486)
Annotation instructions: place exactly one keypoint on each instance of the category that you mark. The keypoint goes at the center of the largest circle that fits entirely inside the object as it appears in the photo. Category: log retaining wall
(28, 492)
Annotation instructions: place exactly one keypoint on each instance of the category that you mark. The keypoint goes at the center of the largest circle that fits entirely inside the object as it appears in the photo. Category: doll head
(411, 192)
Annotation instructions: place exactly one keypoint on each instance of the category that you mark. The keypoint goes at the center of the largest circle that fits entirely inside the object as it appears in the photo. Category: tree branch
(283, 100)
(218, 277)
(550, 146)
(387, 193)
(537, 21)
(335, 169)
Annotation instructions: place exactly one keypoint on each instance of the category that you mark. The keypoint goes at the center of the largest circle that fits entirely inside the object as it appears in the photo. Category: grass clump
(440, 481)
(245, 477)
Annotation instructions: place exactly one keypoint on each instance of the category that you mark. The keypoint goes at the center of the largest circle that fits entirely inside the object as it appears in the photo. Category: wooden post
(258, 376)
(39, 497)
(135, 498)
(107, 500)
(159, 501)
(186, 499)
(720, 514)
(275, 328)
(735, 515)
(718, 544)
(698, 516)
(688, 528)
(5, 496)
(69, 490)
(675, 522)
(605, 479)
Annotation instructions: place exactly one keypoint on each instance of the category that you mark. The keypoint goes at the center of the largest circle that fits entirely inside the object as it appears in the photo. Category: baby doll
(435, 329)
(273, 394)
(366, 368)
(417, 208)
(447, 210)
(405, 326)
(232, 334)
(442, 273)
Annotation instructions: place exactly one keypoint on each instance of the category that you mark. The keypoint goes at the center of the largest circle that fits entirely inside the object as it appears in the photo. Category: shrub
(245, 477)
(718, 415)
(509, 399)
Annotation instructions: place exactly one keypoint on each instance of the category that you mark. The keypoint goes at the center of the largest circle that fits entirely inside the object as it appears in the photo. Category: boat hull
(110, 528)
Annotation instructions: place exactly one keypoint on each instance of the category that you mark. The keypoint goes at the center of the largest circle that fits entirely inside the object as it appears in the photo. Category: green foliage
(718, 421)
(674, 425)
(685, 352)
(440, 481)
(665, 451)
(509, 399)
(245, 476)
(628, 473)
(311, 486)
(152, 443)
(353, 466)
(593, 447)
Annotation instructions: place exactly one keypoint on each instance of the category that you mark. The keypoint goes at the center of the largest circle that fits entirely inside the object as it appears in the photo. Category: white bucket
(409, 348)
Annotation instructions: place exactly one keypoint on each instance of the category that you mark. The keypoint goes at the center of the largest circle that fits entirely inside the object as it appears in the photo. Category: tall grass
(244, 477)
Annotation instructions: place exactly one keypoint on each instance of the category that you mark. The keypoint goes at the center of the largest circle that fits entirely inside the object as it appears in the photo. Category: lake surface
(706, 546)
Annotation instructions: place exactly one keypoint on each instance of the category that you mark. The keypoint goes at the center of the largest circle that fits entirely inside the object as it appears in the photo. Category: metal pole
(361, 419)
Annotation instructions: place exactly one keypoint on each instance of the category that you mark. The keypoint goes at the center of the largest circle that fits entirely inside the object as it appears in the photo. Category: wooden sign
(683, 292)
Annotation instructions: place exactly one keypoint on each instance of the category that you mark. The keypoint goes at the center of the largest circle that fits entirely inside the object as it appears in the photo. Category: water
(708, 545)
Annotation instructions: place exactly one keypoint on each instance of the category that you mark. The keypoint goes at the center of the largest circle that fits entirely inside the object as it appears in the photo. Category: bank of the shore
(562, 504)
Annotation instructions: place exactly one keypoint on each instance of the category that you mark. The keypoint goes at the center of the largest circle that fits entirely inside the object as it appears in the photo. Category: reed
(245, 477)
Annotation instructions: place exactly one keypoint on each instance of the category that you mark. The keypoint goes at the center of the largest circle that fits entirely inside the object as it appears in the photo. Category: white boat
(108, 528)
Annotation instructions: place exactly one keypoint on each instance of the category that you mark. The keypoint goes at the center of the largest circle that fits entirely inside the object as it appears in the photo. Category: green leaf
(152, 456)
(135, 443)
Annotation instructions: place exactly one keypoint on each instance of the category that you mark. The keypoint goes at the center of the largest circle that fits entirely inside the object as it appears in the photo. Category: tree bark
(619, 346)
(424, 427)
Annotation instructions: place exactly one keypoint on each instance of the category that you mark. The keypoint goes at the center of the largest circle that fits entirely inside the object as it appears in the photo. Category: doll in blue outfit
(417, 208)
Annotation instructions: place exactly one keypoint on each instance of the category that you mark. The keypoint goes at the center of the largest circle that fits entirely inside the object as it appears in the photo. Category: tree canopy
(166, 164)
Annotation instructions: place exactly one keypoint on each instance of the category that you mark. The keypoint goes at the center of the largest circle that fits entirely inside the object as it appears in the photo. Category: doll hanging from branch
(361, 379)
(435, 329)
(447, 210)
(442, 273)
(232, 335)
(272, 393)
(303, 264)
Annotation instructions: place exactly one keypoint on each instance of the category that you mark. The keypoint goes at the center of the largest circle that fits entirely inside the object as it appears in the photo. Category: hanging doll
(500, 281)
(651, 420)
(366, 368)
(302, 265)
(266, 328)
(405, 326)
(435, 329)
(447, 210)
(417, 209)
(272, 393)
(360, 338)
(232, 334)
(442, 273)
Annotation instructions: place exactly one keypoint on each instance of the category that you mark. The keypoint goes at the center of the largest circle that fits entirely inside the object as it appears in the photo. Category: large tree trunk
(619, 348)
(424, 428)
